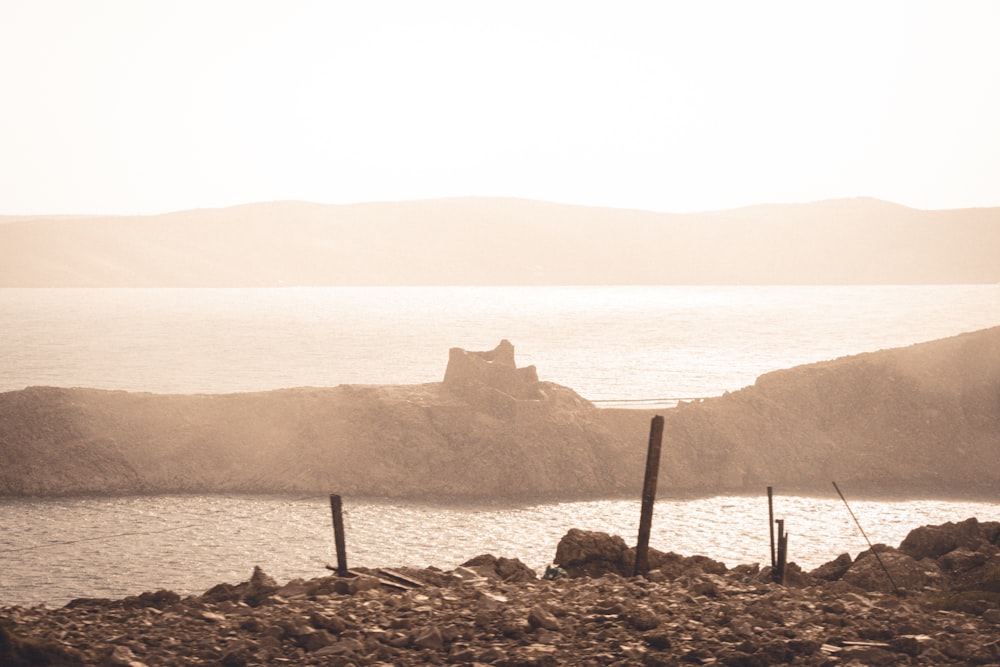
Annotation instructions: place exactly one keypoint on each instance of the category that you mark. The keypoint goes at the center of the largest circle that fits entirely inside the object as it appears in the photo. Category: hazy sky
(133, 106)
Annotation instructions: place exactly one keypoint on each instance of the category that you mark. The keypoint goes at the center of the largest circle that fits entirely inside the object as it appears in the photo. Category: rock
(259, 587)
(505, 569)
(934, 541)
(909, 645)
(694, 618)
(362, 582)
(795, 577)
(212, 617)
(541, 617)
(467, 574)
(962, 559)
(834, 569)
(18, 651)
(660, 639)
(121, 656)
(513, 570)
(674, 565)
(315, 640)
(294, 588)
(461, 654)
(590, 553)
(642, 619)
(868, 655)
(429, 637)
(159, 599)
(332, 624)
(867, 573)
(343, 647)
(223, 592)
(237, 657)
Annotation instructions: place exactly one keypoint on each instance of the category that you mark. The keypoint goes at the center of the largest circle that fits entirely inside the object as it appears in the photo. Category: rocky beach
(933, 600)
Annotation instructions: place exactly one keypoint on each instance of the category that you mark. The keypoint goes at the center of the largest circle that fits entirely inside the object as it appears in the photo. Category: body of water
(604, 342)
(607, 343)
(54, 550)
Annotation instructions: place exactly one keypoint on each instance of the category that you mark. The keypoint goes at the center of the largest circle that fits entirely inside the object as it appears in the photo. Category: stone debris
(690, 610)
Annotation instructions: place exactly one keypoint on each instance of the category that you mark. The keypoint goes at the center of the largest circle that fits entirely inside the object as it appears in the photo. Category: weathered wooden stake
(770, 521)
(778, 574)
(648, 496)
(336, 508)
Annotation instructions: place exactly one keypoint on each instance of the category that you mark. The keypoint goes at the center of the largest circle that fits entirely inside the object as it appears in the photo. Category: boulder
(540, 617)
(868, 574)
(18, 651)
(963, 560)
(674, 565)
(591, 553)
(506, 569)
(260, 586)
(934, 541)
(834, 569)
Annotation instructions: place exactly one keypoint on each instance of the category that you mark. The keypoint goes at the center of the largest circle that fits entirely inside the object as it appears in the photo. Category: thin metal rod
(648, 496)
(870, 546)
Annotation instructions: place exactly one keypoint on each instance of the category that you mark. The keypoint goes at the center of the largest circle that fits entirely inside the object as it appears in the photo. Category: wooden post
(779, 570)
(338, 534)
(770, 521)
(648, 496)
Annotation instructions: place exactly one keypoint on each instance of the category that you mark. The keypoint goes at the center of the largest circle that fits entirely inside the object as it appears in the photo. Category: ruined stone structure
(493, 369)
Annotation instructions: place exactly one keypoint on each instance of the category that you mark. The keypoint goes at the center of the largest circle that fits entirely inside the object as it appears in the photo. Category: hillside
(504, 435)
(924, 419)
(486, 241)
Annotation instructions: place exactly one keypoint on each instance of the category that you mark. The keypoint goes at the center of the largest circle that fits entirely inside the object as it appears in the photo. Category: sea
(630, 346)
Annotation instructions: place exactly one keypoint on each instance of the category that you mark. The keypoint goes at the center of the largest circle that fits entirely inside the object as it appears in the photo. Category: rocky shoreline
(586, 611)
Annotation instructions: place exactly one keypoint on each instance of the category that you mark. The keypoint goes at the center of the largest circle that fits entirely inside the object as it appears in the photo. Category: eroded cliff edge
(920, 419)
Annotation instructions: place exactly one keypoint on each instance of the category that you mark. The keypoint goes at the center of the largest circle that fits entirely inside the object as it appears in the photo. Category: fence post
(336, 508)
(770, 521)
(648, 496)
(779, 570)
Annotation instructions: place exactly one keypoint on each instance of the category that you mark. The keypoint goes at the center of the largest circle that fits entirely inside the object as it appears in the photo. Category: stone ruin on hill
(472, 372)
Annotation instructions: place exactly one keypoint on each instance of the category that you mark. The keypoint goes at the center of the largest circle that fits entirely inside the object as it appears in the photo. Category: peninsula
(919, 420)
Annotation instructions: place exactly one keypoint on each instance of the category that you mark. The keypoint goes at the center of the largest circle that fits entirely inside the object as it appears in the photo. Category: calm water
(604, 342)
(608, 343)
(55, 550)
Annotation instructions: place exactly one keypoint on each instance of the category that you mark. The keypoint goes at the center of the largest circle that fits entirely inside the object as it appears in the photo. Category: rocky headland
(942, 608)
(923, 419)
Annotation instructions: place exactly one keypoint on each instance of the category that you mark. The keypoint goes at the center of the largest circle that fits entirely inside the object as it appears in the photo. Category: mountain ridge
(503, 241)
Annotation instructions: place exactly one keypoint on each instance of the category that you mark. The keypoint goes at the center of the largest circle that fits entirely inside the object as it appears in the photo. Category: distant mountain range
(491, 241)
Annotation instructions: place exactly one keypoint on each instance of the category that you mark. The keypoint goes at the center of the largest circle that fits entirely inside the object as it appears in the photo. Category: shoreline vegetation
(922, 421)
(934, 599)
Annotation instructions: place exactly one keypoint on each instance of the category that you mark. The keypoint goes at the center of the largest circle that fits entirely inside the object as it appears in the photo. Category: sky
(144, 107)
